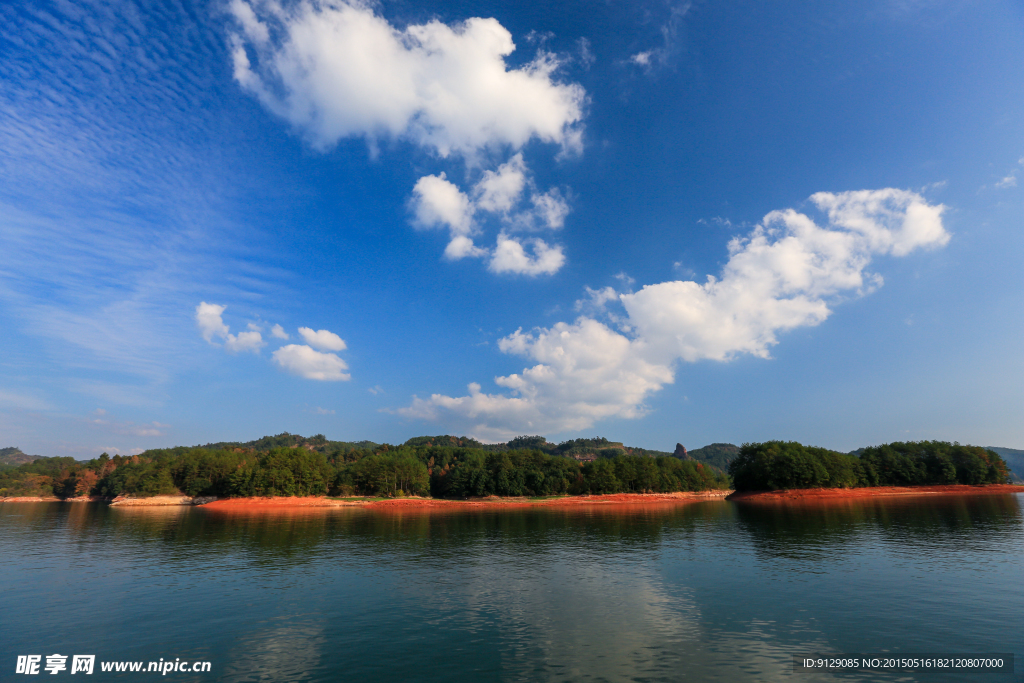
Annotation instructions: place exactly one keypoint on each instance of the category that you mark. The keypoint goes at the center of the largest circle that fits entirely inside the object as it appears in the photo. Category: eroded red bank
(422, 503)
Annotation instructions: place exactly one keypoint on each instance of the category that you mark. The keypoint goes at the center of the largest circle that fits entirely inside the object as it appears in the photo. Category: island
(451, 472)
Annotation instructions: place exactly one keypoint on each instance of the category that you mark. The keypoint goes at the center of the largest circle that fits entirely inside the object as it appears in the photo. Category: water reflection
(705, 591)
(804, 529)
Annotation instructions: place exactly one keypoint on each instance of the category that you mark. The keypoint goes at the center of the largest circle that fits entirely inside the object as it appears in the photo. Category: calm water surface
(711, 591)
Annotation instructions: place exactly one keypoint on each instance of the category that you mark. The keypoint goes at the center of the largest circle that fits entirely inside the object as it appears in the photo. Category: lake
(705, 591)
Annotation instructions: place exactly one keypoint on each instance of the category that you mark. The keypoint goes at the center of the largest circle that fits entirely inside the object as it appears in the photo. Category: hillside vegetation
(1014, 458)
(790, 465)
(291, 465)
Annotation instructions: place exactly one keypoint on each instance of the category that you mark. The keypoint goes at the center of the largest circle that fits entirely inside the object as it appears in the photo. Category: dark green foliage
(933, 462)
(282, 472)
(201, 472)
(790, 465)
(391, 474)
(534, 473)
(140, 478)
(457, 467)
(529, 443)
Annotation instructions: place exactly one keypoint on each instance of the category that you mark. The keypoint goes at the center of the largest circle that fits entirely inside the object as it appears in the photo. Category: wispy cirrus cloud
(113, 175)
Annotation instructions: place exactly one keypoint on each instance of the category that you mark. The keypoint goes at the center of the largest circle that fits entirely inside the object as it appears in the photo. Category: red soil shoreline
(785, 495)
(397, 504)
(443, 503)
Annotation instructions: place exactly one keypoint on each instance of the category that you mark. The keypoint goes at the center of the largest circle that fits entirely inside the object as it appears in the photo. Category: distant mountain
(317, 442)
(1014, 458)
(717, 454)
(13, 456)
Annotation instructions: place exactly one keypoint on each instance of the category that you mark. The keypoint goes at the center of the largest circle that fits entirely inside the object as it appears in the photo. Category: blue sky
(659, 222)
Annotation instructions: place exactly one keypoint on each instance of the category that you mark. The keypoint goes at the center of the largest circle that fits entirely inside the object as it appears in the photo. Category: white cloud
(596, 299)
(510, 257)
(245, 341)
(339, 70)
(306, 362)
(336, 69)
(302, 360)
(498, 190)
(322, 339)
(585, 372)
(511, 196)
(1008, 181)
(209, 321)
(208, 318)
(322, 411)
(781, 276)
(892, 221)
(438, 202)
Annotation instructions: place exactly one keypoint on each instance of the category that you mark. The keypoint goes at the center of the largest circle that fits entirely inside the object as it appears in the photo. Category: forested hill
(291, 465)
(776, 465)
(1014, 458)
(14, 456)
(578, 449)
(317, 442)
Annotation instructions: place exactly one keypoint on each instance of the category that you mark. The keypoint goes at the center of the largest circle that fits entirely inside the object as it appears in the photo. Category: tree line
(790, 465)
(449, 470)
(425, 470)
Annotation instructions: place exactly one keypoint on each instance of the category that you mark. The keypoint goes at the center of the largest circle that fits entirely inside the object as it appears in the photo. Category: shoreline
(787, 495)
(411, 503)
(416, 503)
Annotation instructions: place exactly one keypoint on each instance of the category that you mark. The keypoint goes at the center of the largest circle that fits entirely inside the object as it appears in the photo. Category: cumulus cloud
(335, 69)
(309, 363)
(1008, 181)
(208, 318)
(245, 341)
(313, 360)
(509, 197)
(211, 325)
(785, 274)
(322, 339)
(510, 256)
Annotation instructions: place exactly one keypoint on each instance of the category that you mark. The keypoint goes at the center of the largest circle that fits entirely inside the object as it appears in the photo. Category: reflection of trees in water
(614, 529)
(283, 538)
(807, 529)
